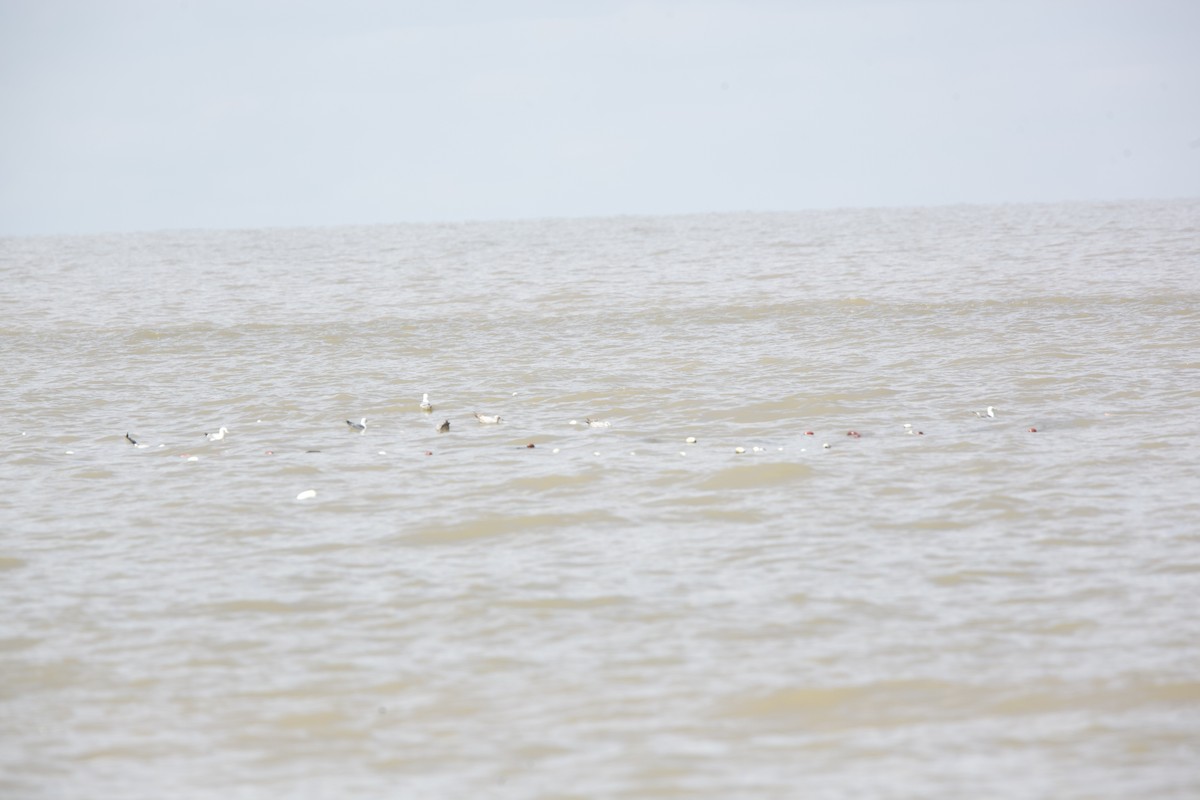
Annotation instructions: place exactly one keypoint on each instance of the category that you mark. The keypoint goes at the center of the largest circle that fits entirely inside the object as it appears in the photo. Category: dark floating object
(130, 439)
(444, 427)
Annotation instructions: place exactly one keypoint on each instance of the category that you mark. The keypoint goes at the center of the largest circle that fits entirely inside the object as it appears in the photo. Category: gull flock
(988, 414)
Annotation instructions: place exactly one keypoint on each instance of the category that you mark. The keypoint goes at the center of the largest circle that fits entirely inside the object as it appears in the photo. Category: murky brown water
(975, 611)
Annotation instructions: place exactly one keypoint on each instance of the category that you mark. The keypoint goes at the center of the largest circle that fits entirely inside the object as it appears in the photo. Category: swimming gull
(487, 419)
(988, 413)
(426, 406)
(220, 434)
(360, 426)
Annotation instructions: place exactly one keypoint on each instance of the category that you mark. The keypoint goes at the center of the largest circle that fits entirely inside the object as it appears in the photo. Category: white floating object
(682, 452)
(690, 440)
(739, 450)
(383, 452)
(595, 452)
(757, 449)
(514, 394)
(555, 450)
(827, 446)
(573, 422)
(193, 458)
(70, 452)
(306, 494)
(633, 452)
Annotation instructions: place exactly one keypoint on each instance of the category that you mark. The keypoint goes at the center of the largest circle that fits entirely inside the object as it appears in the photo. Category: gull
(426, 406)
(596, 423)
(989, 413)
(135, 443)
(444, 427)
(487, 419)
(360, 426)
(212, 437)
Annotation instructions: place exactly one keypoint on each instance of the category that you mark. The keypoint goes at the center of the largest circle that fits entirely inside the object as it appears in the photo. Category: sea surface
(943, 605)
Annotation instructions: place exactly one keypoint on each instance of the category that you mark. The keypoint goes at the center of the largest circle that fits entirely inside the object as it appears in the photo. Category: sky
(123, 115)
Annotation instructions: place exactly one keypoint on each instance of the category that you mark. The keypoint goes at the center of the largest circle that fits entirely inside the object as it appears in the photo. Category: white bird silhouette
(596, 423)
(988, 413)
(487, 419)
(213, 437)
(426, 406)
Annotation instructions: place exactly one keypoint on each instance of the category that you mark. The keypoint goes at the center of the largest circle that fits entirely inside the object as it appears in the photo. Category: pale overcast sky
(128, 116)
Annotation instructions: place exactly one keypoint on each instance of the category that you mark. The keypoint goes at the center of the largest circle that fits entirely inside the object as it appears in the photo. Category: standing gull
(360, 426)
(426, 406)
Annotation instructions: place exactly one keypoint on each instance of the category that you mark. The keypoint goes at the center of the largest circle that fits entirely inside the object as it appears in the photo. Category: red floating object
(428, 452)
(1033, 430)
(809, 433)
(529, 445)
(854, 434)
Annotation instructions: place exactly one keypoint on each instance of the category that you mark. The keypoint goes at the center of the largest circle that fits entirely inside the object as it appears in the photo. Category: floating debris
(307, 494)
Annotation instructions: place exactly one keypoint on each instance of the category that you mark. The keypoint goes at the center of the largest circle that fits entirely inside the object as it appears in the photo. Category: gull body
(220, 434)
(360, 426)
(988, 413)
(596, 423)
(426, 406)
(487, 419)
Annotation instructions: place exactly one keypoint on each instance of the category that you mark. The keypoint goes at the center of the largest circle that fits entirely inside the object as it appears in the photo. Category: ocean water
(965, 607)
